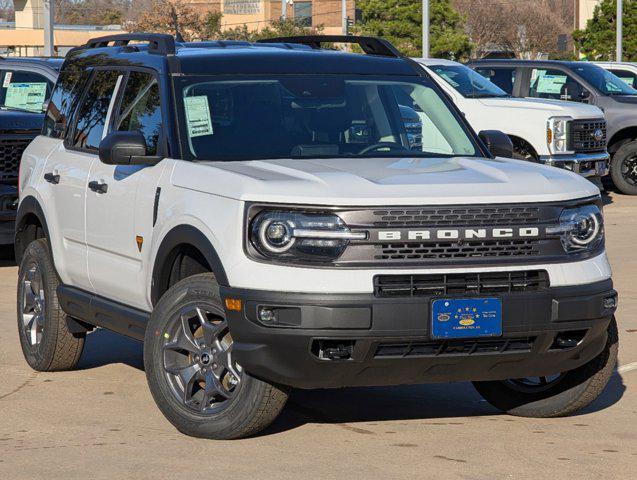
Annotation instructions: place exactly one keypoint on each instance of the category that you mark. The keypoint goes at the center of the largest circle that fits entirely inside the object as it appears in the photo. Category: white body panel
(211, 196)
(525, 118)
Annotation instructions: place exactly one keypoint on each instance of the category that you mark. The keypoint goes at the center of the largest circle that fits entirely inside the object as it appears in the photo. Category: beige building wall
(584, 12)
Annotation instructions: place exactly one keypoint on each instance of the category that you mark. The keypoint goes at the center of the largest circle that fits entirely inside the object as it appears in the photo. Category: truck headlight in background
(295, 235)
(581, 228)
(557, 130)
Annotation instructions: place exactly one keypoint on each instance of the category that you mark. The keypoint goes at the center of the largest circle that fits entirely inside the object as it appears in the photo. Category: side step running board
(101, 312)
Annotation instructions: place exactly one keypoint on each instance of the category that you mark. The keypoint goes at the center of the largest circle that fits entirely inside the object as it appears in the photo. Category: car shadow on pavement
(7, 258)
(434, 404)
(104, 347)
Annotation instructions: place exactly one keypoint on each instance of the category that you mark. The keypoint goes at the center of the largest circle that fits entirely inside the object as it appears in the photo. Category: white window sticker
(27, 96)
(198, 116)
(7, 79)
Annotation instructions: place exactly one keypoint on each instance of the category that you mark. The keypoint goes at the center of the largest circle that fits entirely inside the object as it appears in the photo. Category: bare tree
(525, 28)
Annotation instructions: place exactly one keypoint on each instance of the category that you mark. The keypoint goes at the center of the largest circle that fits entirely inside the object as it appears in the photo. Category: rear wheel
(47, 343)
(623, 168)
(192, 372)
(556, 395)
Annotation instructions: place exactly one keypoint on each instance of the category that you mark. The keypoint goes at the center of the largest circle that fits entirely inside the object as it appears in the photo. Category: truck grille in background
(10, 154)
(465, 249)
(484, 283)
(454, 347)
(457, 216)
(582, 136)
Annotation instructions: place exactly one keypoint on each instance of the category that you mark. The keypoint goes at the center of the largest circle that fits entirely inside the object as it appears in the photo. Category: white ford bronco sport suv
(538, 128)
(256, 214)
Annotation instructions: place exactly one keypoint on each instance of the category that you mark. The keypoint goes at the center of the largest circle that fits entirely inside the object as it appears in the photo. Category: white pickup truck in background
(539, 128)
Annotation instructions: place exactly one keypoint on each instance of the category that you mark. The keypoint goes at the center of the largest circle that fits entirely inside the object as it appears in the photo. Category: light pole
(49, 40)
(344, 16)
(425, 28)
(620, 21)
(284, 9)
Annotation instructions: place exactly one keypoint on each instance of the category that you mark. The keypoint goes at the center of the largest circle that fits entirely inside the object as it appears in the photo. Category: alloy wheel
(33, 306)
(629, 170)
(534, 384)
(198, 360)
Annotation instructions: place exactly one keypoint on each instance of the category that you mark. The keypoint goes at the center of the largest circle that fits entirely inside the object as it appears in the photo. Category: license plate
(466, 317)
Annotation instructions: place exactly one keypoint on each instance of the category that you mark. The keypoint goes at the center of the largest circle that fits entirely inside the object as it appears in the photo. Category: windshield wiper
(486, 95)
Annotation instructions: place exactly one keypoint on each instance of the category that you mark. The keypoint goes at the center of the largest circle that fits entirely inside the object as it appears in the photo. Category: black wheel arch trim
(28, 206)
(183, 235)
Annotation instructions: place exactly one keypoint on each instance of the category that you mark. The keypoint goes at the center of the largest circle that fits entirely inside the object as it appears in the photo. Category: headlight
(557, 130)
(290, 235)
(581, 228)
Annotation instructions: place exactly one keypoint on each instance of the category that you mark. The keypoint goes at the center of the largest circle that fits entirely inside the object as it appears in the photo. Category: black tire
(571, 392)
(523, 151)
(623, 168)
(254, 403)
(50, 346)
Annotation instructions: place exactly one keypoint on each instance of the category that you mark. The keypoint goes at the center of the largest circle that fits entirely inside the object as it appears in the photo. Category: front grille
(457, 216)
(582, 138)
(481, 283)
(10, 154)
(454, 250)
(454, 347)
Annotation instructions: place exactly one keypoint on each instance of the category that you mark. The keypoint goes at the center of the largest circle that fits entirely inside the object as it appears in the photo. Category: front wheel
(623, 168)
(191, 370)
(557, 395)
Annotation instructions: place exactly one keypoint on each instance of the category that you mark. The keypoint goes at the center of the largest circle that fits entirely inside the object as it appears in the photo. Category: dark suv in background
(579, 82)
(25, 87)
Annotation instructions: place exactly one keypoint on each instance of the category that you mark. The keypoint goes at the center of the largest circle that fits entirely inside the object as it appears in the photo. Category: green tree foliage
(597, 40)
(400, 22)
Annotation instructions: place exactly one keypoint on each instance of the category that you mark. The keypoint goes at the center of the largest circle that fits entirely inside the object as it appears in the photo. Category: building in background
(25, 36)
(584, 12)
(258, 14)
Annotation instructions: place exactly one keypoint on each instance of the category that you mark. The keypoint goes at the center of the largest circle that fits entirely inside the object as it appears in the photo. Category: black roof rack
(160, 43)
(369, 45)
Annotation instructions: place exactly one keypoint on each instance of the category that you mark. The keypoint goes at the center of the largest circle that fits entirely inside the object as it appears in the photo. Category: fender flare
(28, 206)
(183, 235)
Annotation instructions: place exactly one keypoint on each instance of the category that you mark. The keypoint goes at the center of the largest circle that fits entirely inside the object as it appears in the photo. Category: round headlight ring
(276, 236)
(592, 227)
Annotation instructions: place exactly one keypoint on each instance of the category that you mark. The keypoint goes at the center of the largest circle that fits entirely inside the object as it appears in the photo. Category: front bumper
(585, 164)
(389, 338)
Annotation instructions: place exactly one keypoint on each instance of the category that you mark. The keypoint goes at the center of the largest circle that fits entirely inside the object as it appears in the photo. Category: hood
(14, 122)
(383, 181)
(555, 107)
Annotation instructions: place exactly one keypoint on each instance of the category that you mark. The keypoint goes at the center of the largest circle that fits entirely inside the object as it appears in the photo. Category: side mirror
(584, 95)
(498, 143)
(125, 148)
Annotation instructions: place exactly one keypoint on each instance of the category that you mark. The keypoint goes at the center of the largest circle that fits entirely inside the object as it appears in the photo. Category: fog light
(610, 303)
(266, 315)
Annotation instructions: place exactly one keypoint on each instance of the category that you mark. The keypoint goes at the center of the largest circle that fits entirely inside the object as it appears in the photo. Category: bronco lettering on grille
(436, 234)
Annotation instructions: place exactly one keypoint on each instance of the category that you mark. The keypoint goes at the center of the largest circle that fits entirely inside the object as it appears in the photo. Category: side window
(141, 110)
(503, 77)
(629, 77)
(24, 90)
(554, 84)
(64, 97)
(91, 115)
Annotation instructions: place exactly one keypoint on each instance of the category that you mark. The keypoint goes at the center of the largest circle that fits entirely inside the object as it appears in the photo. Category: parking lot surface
(100, 421)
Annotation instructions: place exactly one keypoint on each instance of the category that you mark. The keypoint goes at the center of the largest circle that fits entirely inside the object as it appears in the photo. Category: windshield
(603, 80)
(468, 82)
(318, 116)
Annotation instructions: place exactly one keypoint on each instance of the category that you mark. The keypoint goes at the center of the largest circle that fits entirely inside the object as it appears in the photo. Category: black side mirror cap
(125, 148)
(498, 143)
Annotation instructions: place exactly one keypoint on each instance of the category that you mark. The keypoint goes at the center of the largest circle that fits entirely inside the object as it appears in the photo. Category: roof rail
(369, 45)
(160, 43)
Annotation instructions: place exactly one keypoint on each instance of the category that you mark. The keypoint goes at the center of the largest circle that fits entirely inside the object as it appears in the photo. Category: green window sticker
(198, 116)
(551, 84)
(27, 96)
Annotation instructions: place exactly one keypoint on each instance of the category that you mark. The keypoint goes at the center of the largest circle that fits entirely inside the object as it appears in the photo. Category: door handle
(98, 187)
(52, 178)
